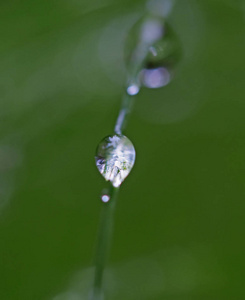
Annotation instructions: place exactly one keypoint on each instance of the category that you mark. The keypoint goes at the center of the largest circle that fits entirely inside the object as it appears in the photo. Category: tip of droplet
(155, 78)
(105, 198)
(133, 90)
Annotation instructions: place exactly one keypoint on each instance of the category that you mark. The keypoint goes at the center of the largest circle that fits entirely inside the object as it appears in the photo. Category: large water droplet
(161, 54)
(115, 158)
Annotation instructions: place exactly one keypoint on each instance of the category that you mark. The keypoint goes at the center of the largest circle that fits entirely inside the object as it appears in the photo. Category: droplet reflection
(155, 78)
(115, 158)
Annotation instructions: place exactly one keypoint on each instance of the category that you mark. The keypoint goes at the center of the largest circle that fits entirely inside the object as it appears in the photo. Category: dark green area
(180, 217)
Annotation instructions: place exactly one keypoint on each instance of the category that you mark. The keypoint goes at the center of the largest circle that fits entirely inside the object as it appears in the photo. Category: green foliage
(179, 224)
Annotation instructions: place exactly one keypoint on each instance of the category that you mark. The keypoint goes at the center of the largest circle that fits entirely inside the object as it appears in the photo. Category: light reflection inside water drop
(155, 78)
(153, 51)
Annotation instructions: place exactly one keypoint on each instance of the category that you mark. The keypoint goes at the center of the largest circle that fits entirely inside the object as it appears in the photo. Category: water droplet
(105, 198)
(115, 158)
(161, 55)
(133, 89)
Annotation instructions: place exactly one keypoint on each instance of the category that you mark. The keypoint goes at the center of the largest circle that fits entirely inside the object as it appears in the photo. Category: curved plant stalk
(139, 57)
(108, 209)
(103, 242)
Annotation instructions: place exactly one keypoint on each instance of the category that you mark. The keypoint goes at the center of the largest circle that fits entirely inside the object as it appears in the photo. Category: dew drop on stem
(115, 156)
(152, 52)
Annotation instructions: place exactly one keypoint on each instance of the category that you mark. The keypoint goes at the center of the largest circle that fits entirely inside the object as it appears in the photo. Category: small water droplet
(105, 198)
(115, 158)
(133, 89)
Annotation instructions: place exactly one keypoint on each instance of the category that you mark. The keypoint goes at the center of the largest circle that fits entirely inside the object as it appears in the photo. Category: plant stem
(125, 110)
(137, 63)
(107, 214)
(103, 242)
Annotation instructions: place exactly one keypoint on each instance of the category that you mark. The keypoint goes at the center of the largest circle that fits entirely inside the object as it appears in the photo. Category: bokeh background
(179, 226)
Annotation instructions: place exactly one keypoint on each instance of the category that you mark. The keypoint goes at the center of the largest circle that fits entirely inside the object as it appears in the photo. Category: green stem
(103, 243)
(107, 214)
(125, 110)
(140, 55)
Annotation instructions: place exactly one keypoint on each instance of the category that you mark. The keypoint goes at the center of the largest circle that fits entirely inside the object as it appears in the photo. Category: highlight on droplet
(105, 198)
(133, 89)
(155, 78)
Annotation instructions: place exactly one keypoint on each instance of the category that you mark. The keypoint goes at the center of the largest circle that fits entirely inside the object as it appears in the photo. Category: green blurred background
(180, 217)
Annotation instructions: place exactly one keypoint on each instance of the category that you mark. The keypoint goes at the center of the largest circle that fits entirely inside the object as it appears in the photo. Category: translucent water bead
(162, 53)
(115, 157)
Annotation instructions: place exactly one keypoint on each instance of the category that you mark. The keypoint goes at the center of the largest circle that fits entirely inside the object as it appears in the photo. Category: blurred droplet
(166, 50)
(105, 195)
(115, 158)
(155, 78)
(153, 42)
(133, 89)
